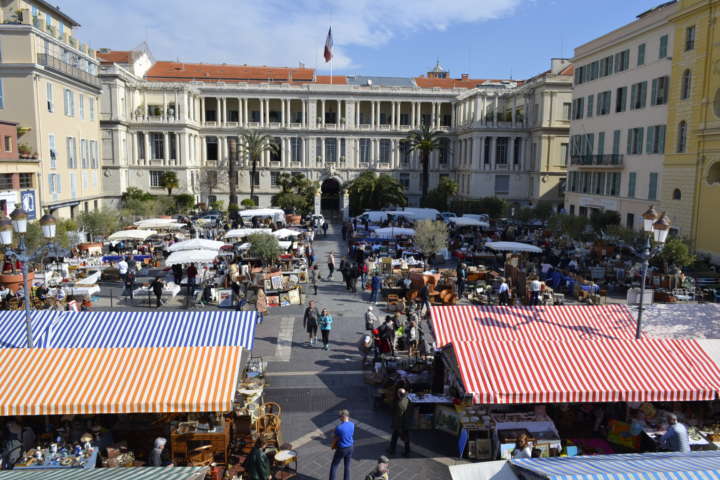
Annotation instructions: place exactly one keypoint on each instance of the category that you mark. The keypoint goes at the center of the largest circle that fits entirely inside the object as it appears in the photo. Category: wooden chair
(201, 456)
(271, 408)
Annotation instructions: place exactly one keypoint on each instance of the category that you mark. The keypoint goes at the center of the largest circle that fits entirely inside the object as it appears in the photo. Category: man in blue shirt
(343, 445)
(676, 438)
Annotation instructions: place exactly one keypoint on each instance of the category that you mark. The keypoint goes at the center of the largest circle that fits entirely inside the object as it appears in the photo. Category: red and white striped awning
(562, 322)
(578, 371)
(58, 381)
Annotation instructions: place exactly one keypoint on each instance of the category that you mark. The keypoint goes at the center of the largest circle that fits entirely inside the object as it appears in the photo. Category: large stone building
(49, 86)
(691, 178)
(619, 116)
(160, 116)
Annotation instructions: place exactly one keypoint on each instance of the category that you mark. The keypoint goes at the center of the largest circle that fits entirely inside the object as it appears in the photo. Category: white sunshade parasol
(285, 233)
(513, 247)
(132, 235)
(196, 244)
(244, 232)
(468, 222)
(152, 222)
(391, 232)
(283, 245)
(191, 256)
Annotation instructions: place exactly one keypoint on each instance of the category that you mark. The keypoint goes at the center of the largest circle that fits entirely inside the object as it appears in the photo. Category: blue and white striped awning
(640, 466)
(131, 329)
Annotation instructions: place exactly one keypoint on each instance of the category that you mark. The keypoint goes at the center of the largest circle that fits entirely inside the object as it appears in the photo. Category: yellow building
(49, 86)
(691, 170)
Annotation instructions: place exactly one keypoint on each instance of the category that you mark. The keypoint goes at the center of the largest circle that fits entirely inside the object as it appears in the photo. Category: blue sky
(485, 38)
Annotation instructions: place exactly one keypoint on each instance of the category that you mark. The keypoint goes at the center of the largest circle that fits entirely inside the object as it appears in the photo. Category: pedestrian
(535, 288)
(503, 293)
(381, 470)
(157, 288)
(325, 324)
(257, 464)
(400, 422)
(412, 336)
(325, 229)
(522, 449)
(331, 265)
(344, 231)
(261, 305)
(370, 319)
(310, 322)
(343, 445)
(191, 273)
(363, 268)
(130, 284)
(344, 273)
(177, 273)
(461, 279)
(375, 286)
(123, 268)
(353, 275)
(235, 288)
(314, 277)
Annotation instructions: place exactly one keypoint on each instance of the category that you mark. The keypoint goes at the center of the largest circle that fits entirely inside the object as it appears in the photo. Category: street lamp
(18, 222)
(657, 226)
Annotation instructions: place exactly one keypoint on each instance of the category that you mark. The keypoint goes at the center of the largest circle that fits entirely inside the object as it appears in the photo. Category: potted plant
(24, 151)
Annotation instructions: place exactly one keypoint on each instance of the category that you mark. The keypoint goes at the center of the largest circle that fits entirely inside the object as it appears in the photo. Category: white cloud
(268, 32)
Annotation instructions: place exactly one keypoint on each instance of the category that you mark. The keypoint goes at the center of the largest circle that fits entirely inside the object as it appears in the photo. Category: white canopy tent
(160, 224)
(513, 247)
(284, 245)
(392, 232)
(467, 222)
(132, 235)
(285, 233)
(495, 470)
(197, 244)
(245, 232)
(276, 214)
(191, 256)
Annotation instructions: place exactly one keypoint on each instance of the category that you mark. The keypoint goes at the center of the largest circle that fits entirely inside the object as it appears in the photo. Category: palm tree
(254, 145)
(425, 141)
(372, 191)
(170, 181)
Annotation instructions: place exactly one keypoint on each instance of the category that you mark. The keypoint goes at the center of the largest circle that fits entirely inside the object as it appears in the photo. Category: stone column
(495, 113)
(372, 113)
(511, 153)
(322, 116)
(322, 150)
(493, 142)
(413, 108)
(202, 110)
(514, 105)
(246, 117)
(282, 112)
(267, 111)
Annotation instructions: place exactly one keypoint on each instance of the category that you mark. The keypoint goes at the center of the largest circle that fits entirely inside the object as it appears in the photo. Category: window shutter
(653, 97)
(661, 139)
(629, 141)
(639, 143)
(650, 139)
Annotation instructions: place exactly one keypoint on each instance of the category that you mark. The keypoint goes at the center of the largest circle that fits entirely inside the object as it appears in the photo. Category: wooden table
(181, 444)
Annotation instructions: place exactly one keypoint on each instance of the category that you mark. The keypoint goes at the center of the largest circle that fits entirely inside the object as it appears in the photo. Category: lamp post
(657, 226)
(18, 223)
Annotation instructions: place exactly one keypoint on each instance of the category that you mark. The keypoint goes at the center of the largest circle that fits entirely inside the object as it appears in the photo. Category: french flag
(328, 46)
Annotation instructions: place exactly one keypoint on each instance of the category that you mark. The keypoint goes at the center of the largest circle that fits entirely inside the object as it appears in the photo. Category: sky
(484, 38)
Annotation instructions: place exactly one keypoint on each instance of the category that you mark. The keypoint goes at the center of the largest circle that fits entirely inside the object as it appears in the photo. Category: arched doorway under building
(330, 196)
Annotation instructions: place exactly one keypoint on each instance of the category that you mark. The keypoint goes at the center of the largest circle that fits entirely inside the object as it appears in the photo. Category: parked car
(446, 216)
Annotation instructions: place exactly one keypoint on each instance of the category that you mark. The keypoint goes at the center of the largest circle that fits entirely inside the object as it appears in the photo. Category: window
(141, 145)
(663, 47)
(616, 142)
(91, 107)
(606, 66)
(48, 20)
(276, 154)
(26, 180)
(94, 162)
(502, 184)
(630, 220)
(444, 151)
(620, 99)
(157, 146)
(622, 61)
(682, 137)
(62, 31)
(156, 179)
(405, 180)
(567, 107)
(81, 104)
(71, 152)
(601, 143)
(211, 148)
(613, 184)
(296, 149)
(385, 148)
(69, 103)
(659, 94)
(564, 154)
(6, 182)
(676, 195)
(604, 102)
(53, 151)
(404, 147)
(635, 141)
(641, 54)
(73, 185)
(578, 106)
(517, 149)
(690, 38)
(590, 105)
(50, 104)
(501, 151)
(486, 150)
(638, 96)
(364, 150)
(632, 179)
(331, 149)
(686, 84)
(83, 154)
(8, 143)
(594, 70)
(256, 180)
(655, 139)
(652, 188)
(598, 182)
(274, 179)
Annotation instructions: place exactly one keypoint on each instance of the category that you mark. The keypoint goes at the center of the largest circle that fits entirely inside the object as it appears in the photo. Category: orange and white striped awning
(58, 381)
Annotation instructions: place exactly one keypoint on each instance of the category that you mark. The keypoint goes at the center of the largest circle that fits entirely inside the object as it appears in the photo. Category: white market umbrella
(468, 222)
(283, 245)
(513, 247)
(196, 244)
(132, 235)
(154, 222)
(245, 232)
(285, 233)
(392, 232)
(191, 256)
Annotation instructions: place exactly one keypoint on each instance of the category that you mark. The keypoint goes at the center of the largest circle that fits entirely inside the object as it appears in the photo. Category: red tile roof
(425, 82)
(336, 80)
(569, 70)
(174, 72)
(114, 56)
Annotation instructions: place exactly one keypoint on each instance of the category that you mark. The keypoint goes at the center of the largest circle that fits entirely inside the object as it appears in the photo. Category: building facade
(49, 86)
(159, 116)
(19, 173)
(619, 111)
(691, 180)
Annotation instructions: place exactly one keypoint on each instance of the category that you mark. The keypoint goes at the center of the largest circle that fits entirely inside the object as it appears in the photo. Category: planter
(14, 281)
(292, 219)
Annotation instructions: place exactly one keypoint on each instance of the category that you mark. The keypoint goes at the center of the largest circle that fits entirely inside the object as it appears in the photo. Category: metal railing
(61, 67)
(607, 160)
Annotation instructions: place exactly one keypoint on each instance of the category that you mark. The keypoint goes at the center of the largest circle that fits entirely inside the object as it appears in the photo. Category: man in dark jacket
(157, 288)
(400, 423)
(310, 322)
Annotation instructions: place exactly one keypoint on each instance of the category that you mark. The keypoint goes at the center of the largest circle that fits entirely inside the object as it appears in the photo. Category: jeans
(341, 454)
(405, 435)
(363, 280)
(325, 337)
(374, 295)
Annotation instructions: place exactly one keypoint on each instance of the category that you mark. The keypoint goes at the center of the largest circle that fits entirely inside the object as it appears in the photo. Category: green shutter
(601, 143)
(639, 133)
(650, 139)
(661, 139)
(616, 142)
(652, 188)
(631, 184)
(629, 141)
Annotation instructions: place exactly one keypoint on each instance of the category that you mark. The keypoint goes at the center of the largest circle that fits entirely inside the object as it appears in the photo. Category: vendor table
(170, 290)
(87, 291)
(181, 444)
(117, 258)
(89, 462)
(423, 409)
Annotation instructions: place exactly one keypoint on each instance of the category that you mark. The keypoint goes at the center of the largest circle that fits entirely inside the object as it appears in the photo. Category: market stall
(139, 235)
(196, 244)
(172, 473)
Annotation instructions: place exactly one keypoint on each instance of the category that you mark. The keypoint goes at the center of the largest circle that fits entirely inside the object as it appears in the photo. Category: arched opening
(330, 195)
(713, 177)
(677, 194)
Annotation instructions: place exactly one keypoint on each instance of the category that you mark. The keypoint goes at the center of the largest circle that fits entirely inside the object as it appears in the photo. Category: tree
(98, 224)
(601, 220)
(374, 192)
(169, 181)
(675, 253)
(184, 202)
(440, 196)
(570, 225)
(493, 206)
(425, 140)
(431, 236)
(297, 194)
(248, 203)
(265, 247)
(253, 145)
(212, 178)
(137, 202)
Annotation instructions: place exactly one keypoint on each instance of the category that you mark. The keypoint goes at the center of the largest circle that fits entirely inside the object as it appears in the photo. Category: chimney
(464, 76)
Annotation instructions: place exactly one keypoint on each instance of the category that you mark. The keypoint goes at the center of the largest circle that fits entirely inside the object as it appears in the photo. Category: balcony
(57, 65)
(607, 161)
